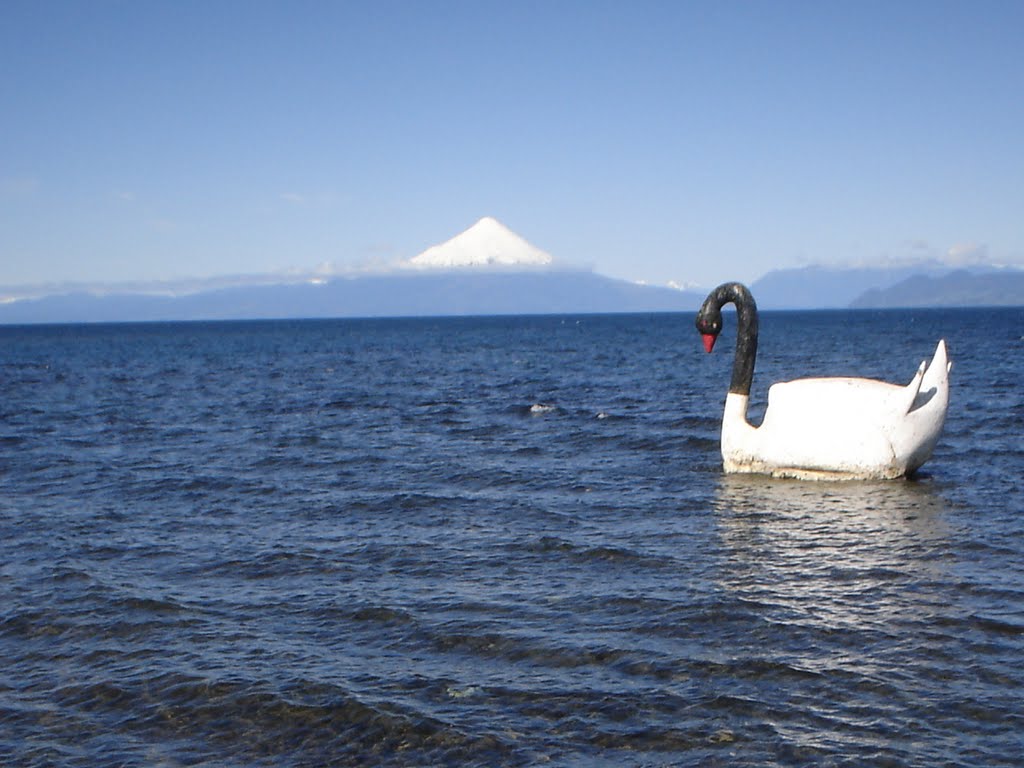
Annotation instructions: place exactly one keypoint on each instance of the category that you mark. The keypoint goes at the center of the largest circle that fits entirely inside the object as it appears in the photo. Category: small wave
(985, 625)
(340, 405)
(65, 574)
(524, 649)
(380, 614)
(275, 564)
(527, 450)
(301, 723)
(31, 624)
(148, 605)
(597, 554)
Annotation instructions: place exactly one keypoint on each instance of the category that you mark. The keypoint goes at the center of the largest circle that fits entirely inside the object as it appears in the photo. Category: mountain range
(485, 270)
(399, 295)
(820, 287)
(925, 284)
(955, 289)
(490, 270)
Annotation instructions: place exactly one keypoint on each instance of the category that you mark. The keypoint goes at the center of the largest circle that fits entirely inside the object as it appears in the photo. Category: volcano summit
(488, 243)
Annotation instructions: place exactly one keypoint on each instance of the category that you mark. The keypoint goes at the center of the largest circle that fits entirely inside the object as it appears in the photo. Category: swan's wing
(826, 401)
(830, 424)
(833, 397)
(912, 391)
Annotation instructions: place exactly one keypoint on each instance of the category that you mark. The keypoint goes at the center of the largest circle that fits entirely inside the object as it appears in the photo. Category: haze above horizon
(658, 141)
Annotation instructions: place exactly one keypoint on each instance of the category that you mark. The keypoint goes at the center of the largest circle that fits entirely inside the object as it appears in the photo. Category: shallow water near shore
(496, 541)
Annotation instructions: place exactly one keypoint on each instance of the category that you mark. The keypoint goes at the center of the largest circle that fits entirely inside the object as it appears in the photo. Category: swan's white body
(840, 427)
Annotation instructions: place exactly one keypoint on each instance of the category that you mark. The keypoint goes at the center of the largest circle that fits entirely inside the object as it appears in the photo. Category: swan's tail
(927, 411)
(938, 368)
(931, 381)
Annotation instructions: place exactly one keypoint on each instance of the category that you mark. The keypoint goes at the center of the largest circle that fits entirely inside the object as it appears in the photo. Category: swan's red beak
(709, 341)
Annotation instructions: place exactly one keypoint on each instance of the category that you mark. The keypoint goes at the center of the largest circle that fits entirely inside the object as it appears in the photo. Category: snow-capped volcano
(488, 243)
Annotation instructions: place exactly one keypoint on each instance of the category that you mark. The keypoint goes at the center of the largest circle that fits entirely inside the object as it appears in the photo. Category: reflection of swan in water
(830, 595)
(855, 502)
(829, 555)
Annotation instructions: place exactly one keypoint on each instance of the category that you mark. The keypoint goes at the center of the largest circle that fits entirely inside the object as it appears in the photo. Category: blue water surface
(496, 541)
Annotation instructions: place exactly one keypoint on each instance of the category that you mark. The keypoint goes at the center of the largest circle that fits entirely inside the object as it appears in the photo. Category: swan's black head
(709, 323)
(709, 318)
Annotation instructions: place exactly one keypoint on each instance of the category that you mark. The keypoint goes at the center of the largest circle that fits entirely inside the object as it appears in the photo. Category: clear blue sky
(687, 141)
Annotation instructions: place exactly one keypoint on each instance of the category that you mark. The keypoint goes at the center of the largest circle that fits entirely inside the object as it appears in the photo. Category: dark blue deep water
(498, 541)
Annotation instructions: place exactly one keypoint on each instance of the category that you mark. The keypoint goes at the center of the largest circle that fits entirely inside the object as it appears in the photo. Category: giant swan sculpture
(824, 428)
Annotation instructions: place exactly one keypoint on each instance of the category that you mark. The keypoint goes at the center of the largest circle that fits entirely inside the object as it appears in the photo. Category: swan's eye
(709, 326)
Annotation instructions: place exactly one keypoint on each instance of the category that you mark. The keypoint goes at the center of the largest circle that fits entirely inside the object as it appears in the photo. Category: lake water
(496, 541)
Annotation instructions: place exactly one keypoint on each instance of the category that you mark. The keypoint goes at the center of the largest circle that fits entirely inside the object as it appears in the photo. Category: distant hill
(916, 285)
(434, 293)
(956, 289)
(819, 287)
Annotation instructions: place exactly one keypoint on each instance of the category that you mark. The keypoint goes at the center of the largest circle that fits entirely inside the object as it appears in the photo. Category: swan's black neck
(709, 322)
